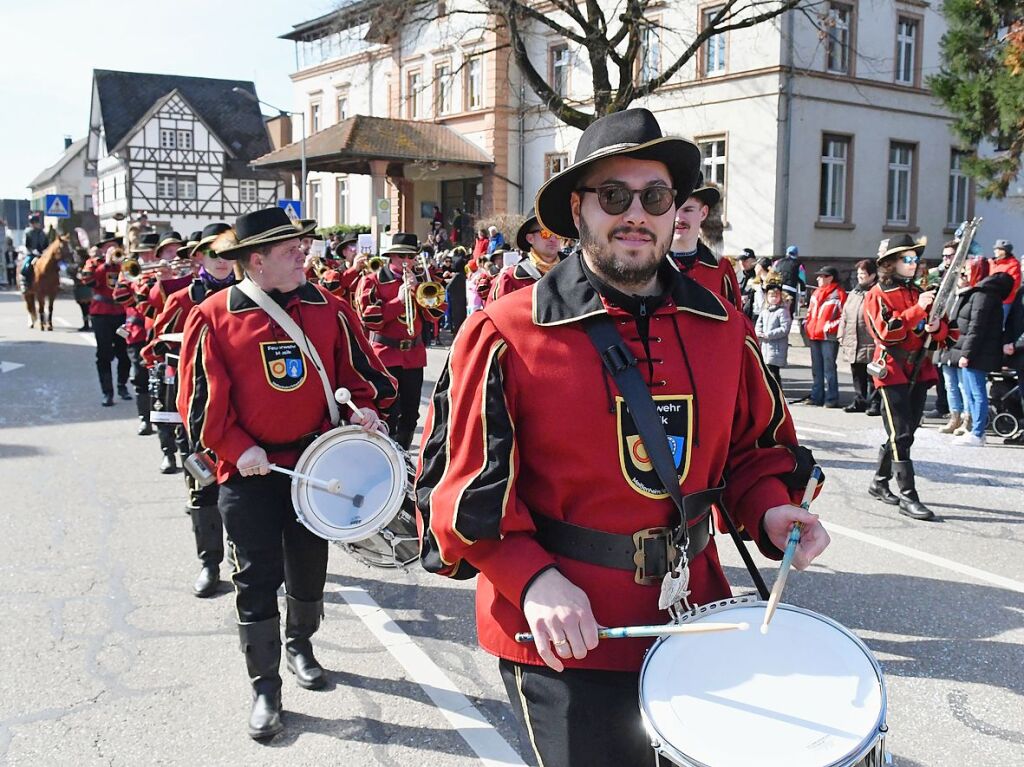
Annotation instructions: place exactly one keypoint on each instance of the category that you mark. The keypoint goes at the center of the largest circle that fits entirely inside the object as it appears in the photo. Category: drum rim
(850, 759)
(400, 492)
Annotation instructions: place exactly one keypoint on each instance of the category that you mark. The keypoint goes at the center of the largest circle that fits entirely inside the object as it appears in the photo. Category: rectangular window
(314, 201)
(714, 46)
(474, 83)
(314, 117)
(650, 52)
(712, 152)
(835, 152)
(168, 138)
(414, 96)
(899, 202)
(165, 186)
(342, 201)
(442, 89)
(555, 163)
(186, 187)
(247, 190)
(87, 202)
(959, 189)
(184, 139)
(342, 107)
(558, 69)
(906, 51)
(839, 41)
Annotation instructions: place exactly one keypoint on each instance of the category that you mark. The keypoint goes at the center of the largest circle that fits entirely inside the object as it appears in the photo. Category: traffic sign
(383, 209)
(58, 206)
(292, 207)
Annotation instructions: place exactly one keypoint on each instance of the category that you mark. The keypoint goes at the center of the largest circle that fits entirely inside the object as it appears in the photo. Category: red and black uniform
(382, 308)
(896, 322)
(717, 276)
(244, 382)
(132, 296)
(342, 283)
(513, 278)
(107, 316)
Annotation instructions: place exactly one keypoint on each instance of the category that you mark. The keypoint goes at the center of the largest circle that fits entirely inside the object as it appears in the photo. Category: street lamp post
(302, 146)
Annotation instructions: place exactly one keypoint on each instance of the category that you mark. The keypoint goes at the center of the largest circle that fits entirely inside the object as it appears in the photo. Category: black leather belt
(650, 553)
(404, 344)
(298, 444)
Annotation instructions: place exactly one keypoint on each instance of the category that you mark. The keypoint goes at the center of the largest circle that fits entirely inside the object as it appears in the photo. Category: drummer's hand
(560, 618)
(253, 461)
(367, 418)
(778, 521)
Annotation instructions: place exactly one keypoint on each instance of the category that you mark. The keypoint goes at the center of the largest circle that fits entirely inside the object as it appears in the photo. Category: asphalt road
(106, 657)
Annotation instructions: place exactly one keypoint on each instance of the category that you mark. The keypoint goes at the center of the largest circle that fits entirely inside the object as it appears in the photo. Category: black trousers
(140, 380)
(941, 398)
(405, 412)
(172, 437)
(268, 546)
(579, 718)
(85, 314)
(902, 408)
(110, 346)
(863, 384)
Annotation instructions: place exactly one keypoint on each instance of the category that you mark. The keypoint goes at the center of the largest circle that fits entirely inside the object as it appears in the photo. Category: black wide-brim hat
(709, 195)
(169, 238)
(207, 236)
(312, 235)
(110, 237)
(632, 133)
(353, 241)
(900, 244)
(185, 251)
(147, 242)
(521, 242)
(403, 244)
(264, 227)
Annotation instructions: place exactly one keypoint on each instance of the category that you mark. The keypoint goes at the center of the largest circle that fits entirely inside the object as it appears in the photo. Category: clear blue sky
(48, 50)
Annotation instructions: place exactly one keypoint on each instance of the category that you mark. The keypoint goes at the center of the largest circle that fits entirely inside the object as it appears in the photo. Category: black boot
(910, 504)
(169, 465)
(145, 427)
(261, 643)
(106, 384)
(302, 622)
(404, 439)
(879, 487)
(209, 532)
(122, 392)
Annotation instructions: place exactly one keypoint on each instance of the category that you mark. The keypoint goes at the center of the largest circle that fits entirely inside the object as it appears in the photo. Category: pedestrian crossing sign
(58, 206)
(292, 207)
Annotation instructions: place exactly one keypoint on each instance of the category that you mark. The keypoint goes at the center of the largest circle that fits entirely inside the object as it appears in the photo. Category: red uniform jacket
(172, 318)
(342, 282)
(524, 421)
(243, 381)
(717, 276)
(159, 293)
(102, 278)
(897, 324)
(522, 275)
(383, 313)
(1011, 266)
(824, 312)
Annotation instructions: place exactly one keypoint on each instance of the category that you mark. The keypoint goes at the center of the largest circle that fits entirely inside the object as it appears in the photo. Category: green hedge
(344, 229)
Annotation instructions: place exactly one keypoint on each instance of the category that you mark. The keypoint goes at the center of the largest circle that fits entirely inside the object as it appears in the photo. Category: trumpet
(133, 269)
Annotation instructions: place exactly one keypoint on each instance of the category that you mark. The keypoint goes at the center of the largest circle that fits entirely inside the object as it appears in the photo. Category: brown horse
(46, 282)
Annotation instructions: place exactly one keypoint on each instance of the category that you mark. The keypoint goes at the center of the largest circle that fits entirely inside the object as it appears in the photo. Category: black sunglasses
(616, 198)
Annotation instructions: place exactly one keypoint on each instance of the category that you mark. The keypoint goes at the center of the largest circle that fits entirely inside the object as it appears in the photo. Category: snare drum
(372, 472)
(397, 544)
(163, 387)
(807, 694)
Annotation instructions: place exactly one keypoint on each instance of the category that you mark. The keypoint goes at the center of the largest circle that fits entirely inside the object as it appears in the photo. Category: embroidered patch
(112, 279)
(283, 364)
(676, 413)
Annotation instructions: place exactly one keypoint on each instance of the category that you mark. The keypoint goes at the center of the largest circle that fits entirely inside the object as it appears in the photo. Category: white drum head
(372, 475)
(807, 694)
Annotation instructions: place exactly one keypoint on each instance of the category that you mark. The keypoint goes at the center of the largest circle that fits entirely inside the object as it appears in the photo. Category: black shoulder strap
(621, 364)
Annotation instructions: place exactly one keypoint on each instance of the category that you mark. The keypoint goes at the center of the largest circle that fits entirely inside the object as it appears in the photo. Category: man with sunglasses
(896, 311)
(540, 248)
(534, 475)
(693, 257)
(214, 274)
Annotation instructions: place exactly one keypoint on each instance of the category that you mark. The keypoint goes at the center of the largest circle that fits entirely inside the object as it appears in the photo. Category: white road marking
(461, 714)
(62, 322)
(7, 367)
(932, 559)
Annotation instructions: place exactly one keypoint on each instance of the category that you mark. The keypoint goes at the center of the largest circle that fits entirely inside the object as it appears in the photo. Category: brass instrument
(373, 263)
(429, 294)
(410, 303)
(132, 268)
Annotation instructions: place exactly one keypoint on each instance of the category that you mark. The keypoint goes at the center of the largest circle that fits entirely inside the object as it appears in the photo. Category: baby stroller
(1005, 411)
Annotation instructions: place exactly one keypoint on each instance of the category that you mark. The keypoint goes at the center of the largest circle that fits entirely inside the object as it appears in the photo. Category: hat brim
(708, 195)
(681, 157)
(244, 246)
(401, 250)
(521, 242)
(919, 249)
(345, 243)
(185, 251)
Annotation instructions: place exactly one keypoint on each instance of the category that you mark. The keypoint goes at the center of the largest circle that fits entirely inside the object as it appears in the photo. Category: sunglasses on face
(911, 258)
(208, 253)
(616, 198)
(544, 233)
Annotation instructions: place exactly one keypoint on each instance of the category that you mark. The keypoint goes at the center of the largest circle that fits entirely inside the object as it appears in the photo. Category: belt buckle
(640, 559)
(404, 345)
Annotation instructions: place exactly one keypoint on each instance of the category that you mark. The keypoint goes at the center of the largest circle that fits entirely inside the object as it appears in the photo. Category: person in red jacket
(896, 312)
(1005, 261)
(540, 249)
(823, 316)
(382, 304)
(249, 394)
(532, 451)
(693, 257)
(102, 274)
(341, 278)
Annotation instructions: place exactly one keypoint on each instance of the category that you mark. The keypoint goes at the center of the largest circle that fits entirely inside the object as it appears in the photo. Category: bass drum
(397, 545)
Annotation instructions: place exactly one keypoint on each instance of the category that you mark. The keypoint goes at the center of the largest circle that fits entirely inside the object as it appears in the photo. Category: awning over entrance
(350, 146)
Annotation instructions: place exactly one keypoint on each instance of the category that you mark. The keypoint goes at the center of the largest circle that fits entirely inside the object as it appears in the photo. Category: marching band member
(693, 257)
(896, 311)
(214, 274)
(101, 274)
(248, 395)
(397, 338)
(540, 249)
(131, 296)
(554, 547)
(343, 278)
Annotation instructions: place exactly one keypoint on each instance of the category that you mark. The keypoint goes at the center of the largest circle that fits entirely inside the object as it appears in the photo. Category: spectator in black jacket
(1013, 349)
(790, 268)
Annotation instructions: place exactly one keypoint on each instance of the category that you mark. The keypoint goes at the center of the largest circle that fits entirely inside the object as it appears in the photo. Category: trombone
(133, 268)
(429, 294)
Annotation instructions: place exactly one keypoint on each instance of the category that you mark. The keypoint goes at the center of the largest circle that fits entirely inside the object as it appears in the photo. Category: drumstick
(787, 556)
(633, 632)
(344, 397)
(332, 486)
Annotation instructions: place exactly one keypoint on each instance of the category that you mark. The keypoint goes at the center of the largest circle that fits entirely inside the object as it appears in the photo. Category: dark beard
(605, 265)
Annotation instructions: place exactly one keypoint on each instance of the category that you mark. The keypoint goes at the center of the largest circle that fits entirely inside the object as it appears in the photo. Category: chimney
(68, 142)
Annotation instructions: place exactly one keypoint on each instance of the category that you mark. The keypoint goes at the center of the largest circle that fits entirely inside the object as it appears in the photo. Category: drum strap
(287, 324)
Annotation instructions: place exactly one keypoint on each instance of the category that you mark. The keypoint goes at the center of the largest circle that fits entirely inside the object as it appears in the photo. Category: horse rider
(36, 242)
(248, 396)
(555, 548)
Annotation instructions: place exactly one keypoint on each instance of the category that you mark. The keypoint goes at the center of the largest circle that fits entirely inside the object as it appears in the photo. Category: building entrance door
(466, 194)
